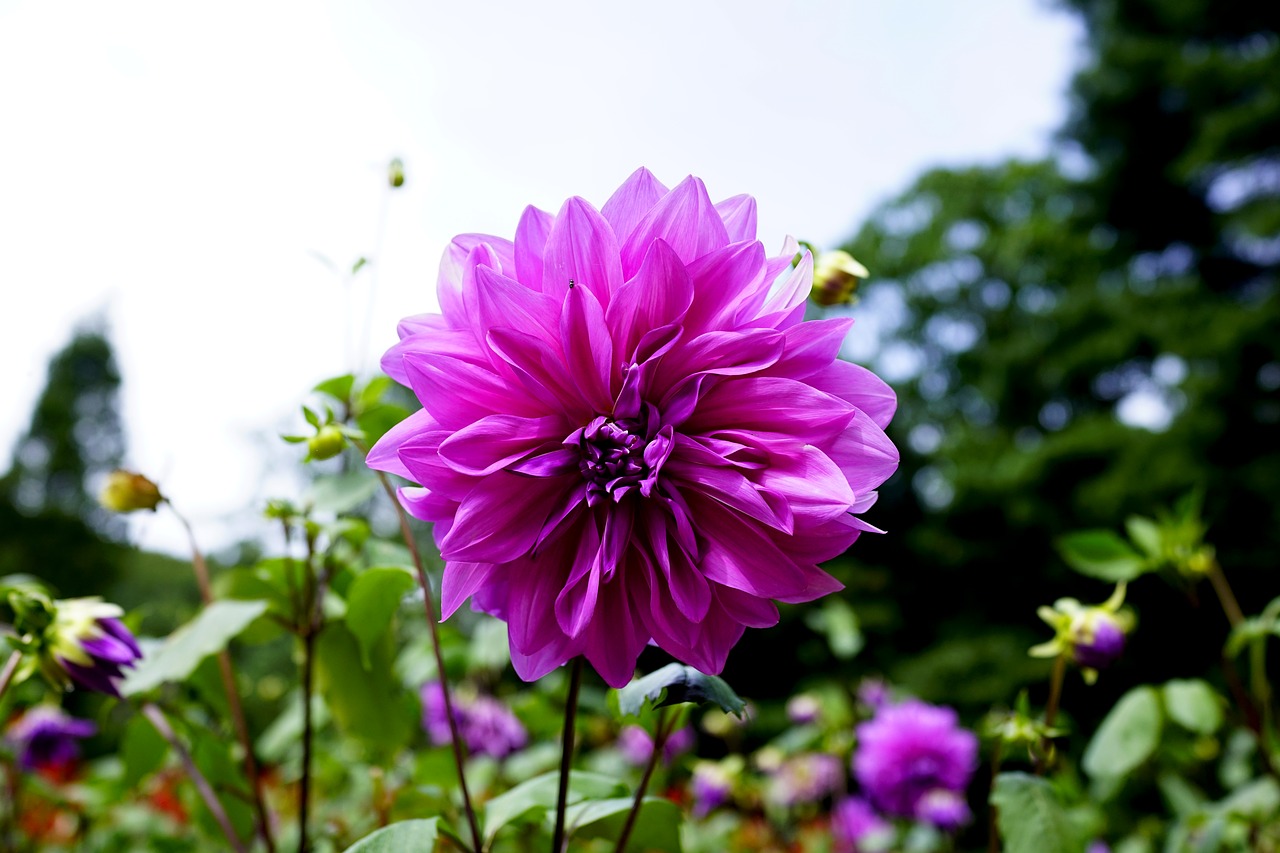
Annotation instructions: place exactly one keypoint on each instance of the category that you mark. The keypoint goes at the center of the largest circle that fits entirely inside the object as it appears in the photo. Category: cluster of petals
(89, 646)
(485, 725)
(627, 432)
(47, 739)
(915, 761)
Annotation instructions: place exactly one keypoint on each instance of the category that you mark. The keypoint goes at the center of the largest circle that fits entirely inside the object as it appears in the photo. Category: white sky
(176, 167)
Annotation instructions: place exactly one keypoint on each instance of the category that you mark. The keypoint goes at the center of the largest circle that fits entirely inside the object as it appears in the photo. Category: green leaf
(367, 703)
(529, 801)
(143, 750)
(1182, 798)
(1194, 705)
(338, 387)
(657, 826)
(1145, 533)
(372, 601)
(343, 492)
(489, 649)
(838, 622)
(1257, 801)
(1031, 818)
(407, 836)
(205, 635)
(674, 684)
(1128, 736)
(1101, 554)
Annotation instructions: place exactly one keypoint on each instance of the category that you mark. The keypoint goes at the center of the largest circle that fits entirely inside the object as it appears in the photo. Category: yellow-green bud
(395, 173)
(127, 491)
(835, 278)
(327, 443)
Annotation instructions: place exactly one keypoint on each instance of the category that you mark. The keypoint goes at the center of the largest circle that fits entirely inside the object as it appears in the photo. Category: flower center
(618, 455)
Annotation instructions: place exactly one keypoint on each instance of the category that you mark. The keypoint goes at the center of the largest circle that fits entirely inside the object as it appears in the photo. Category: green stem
(566, 752)
(429, 605)
(1230, 606)
(157, 718)
(660, 735)
(10, 667)
(1051, 708)
(993, 816)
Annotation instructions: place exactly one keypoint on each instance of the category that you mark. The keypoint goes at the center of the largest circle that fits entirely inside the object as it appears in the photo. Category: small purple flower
(89, 645)
(909, 750)
(805, 778)
(803, 709)
(47, 739)
(636, 745)
(712, 784)
(856, 828)
(874, 693)
(944, 809)
(1099, 641)
(1098, 846)
(485, 725)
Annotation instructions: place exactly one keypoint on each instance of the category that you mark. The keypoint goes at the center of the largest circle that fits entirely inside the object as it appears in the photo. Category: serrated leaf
(674, 684)
(1194, 705)
(205, 635)
(1031, 817)
(530, 800)
(372, 601)
(343, 492)
(1128, 736)
(338, 387)
(657, 827)
(1101, 554)
(407, 836)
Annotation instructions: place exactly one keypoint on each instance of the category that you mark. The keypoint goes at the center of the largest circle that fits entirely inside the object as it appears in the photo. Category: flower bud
(77, 641)
(1097, 638)
(327, 443)
(835, 278)
(1092, 636)
(127, 491)
(395, 173)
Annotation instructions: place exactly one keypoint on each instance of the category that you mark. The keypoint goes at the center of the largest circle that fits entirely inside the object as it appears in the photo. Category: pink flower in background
(856, 828)
(485, 725)
(914, 760)
(636, 745)
(627, 432)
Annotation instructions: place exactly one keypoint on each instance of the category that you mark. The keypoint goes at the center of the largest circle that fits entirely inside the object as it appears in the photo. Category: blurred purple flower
(856, 828)
(485, 725)
(803, 709)
(944, 809)
(910, 750)
(874, 693)
(637, 746)
(805, 778)
(627, 432)
(48, 739)
(711, 785)
(1101, 644)
(1098, 846)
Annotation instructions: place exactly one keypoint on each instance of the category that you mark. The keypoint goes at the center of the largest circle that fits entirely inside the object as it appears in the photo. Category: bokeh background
(1071, 212)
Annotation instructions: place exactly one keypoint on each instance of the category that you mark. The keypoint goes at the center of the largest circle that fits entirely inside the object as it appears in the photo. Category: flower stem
(429, 605)
(660, 735)
(566, 753)
(1228, 598)
(10, 667)
(201, 569)
(1051, 708)
(313, 595)
(993, 817)
(157, 718)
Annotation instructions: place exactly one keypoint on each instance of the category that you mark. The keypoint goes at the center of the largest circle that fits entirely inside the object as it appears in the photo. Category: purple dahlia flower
(47, 739)
(627, 433)
(712, 784)
(90, 645)
(636, 745)
(909, 751)
(856, 828)
(485, 725)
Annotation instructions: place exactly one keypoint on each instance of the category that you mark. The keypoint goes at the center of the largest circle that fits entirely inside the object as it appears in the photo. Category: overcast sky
(179, 168)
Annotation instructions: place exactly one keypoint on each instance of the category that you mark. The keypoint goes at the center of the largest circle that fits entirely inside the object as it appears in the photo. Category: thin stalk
(1228, 598)
(309, 630)
(201, 569)
(429, 605)
(1051, 708)
(157, 718)
(660, 735)
(10, 667)
(993, 826)
(566, 751)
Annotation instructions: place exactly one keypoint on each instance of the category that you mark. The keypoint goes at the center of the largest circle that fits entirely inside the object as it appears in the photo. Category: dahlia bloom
(47, 739)
(627, 433)
(485, 725)
(89, 646)
(856, 828)
(1092, 635)
(910, 753)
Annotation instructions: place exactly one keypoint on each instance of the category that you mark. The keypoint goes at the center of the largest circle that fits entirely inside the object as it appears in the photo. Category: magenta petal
(739, 216)
(541, 371)
(684, 583)
(460, 581)
(746, 608)
(864, 453)
(499, 520)
(385, 454)
(772, 404)
(810, 482)
(503, 302)
(722, 280)
(581, 249)
(494, 442)
(588, 348)
(658, 295)
(616, 636)
(859, 386)
(576, 603)
(685, 218)
(811, 348)
(457, 394)
(427, 505)
(531, 242)
(632, 201)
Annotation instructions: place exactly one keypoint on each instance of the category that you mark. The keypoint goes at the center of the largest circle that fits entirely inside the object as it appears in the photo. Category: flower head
(805, 778)
(485, 724)
(636, 745)
(856, 828)
(835, 278)
(78, 641)
(908, 751)
(127, 491)
(48, 739)
(627, 432)
(1093, 636)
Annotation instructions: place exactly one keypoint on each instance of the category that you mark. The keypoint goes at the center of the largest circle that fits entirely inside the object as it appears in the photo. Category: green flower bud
(835, 278)
(327, 443)
(126, 491)
(395, 174)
